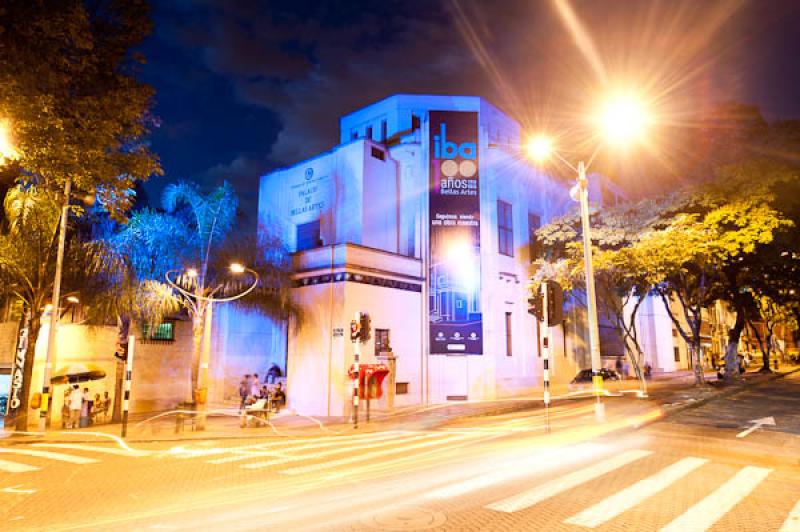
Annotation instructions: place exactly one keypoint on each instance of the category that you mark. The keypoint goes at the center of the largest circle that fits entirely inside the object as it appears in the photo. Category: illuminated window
(534, 223)
(163, 332)
(505, 229)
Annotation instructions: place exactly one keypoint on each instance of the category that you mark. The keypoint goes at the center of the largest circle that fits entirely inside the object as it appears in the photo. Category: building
(423, 216)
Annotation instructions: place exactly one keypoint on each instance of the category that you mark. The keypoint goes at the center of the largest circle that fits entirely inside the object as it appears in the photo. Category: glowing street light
(191, 272)
(622, 119)
(7, 150)
(237, 268)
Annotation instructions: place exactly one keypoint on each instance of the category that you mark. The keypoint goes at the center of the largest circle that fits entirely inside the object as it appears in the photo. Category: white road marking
(625, 499)
(555, 487)
(52, 456)
(14, 467)
(757, 424)
(708, 511)
(14, 489)
(267, 450)
(344, 449)
(93, 448)
(792, 523)
(376, 454)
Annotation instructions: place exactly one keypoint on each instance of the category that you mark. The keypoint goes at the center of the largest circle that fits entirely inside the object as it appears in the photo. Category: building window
(308, 236)
(353, 134)
(508, 334)
(163, 332)
(401, 388)
(505, 229)
(384, 131)
(368, 134)
(534, 223)
(378, 153)
(677, 354)
(416, 123)
(381, 341)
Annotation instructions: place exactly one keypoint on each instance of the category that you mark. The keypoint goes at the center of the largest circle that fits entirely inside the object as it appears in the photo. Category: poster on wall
(455, 252)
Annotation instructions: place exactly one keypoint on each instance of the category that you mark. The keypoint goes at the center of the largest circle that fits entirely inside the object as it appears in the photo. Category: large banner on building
(455, 249)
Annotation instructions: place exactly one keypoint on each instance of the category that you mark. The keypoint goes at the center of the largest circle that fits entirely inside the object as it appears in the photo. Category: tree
(69, 88)
(27, 265)
(191, 239)
(771, 314)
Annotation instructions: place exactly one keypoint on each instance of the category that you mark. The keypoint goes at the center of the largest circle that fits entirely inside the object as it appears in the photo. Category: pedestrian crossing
(33, 457)
(701, 516)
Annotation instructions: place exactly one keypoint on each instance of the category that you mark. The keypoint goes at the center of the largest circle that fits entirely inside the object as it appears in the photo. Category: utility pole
(44, 417)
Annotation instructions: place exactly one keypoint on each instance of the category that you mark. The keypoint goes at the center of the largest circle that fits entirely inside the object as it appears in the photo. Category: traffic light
(365, 329)
(555, 304)
(121, 352)
(535, 305)
(355, 330)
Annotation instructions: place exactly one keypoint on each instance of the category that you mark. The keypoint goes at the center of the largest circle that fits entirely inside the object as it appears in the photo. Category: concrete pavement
(488, 472)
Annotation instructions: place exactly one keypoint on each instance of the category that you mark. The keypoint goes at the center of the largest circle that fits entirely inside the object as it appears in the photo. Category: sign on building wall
(455, 251)
(18, 371)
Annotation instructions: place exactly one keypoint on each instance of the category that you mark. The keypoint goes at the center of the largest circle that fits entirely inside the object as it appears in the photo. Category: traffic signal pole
(355, 333)
(546, 358)
(128, 378)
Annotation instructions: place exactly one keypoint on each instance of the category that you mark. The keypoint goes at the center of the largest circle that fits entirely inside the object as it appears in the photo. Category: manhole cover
(404, 518)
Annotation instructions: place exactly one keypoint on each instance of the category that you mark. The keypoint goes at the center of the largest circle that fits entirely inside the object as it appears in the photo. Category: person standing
(244, 391)
(255, 386)
(273, 374)
(75, 403)
(86, 406)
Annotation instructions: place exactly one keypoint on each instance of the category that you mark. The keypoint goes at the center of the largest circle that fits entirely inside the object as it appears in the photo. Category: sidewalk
(673, 393)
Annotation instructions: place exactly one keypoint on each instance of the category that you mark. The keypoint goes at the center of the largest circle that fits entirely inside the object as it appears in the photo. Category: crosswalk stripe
(323, 454)
(567, 482)
(708, 511)
(792, 523)
(190, 453)
(247, 454)
(369, 456)
(14, 467)
(624, 500)
(53, 456)
(92, 448)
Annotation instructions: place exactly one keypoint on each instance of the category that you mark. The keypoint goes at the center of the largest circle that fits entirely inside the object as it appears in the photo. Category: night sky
(247, 86)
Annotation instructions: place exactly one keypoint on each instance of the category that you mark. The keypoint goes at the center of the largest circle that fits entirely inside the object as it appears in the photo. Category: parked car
(583, 380)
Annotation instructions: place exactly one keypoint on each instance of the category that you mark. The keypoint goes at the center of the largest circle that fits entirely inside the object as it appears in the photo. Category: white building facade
(422, 216)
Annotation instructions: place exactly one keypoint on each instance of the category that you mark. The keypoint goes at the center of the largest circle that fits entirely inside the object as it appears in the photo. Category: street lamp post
(201, 300)
(621, 120)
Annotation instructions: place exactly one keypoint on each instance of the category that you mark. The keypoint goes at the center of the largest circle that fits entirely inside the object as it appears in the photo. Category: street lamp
(200, 299)
(8, 151)
(622, 119)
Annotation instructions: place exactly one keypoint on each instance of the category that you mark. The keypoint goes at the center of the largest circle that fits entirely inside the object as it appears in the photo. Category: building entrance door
(456, 383)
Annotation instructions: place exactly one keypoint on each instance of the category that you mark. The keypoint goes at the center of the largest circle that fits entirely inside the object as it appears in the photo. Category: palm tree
(192, 236)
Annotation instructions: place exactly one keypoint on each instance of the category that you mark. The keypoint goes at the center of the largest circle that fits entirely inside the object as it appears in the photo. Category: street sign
(338, 332)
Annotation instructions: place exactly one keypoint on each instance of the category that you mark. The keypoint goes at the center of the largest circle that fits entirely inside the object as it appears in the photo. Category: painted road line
(708, 511)
(52, 456)
(93, 448)
(186, 453)
(792, 523)
(555, 487)
(376, 454)
(247, 454)
(14, 467)
(345, 449)
(624, 500)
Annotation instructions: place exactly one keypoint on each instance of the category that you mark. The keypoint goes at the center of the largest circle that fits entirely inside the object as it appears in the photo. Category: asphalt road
(636, 471)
